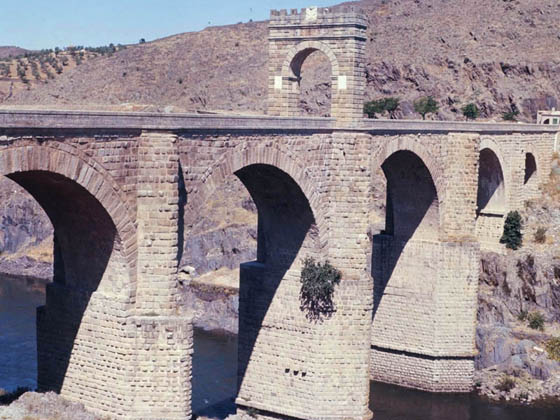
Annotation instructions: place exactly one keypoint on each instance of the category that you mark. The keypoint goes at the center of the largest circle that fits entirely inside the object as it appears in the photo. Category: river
(214, 371)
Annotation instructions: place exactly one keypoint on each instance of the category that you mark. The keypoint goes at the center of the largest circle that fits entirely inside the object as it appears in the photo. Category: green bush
(553, 348)
(512, 236)
(510, 115)
(536, 321)
(470, 111)
(317, 287)
(540, 235)
(506, 384)
(379, 106)
(426, 105)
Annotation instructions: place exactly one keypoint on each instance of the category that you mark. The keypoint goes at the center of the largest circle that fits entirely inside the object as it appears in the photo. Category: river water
(214, 371)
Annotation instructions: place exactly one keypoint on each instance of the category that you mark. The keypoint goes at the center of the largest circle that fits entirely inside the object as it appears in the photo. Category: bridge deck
(60, 120)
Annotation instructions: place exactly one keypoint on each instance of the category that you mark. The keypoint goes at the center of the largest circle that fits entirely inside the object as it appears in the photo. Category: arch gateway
(342, 189)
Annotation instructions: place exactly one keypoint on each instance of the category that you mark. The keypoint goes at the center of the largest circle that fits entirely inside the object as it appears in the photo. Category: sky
(38, 24)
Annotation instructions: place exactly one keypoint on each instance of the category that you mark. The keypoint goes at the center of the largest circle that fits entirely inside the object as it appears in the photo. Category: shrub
(540, 235)
(374, 107)
(522, 315)
(506, 384)
(512, 236)
(510, 115)
(536, 321)
(426, 105)
(378, 106)
(470, 111)
(553, 348)
(317, 287)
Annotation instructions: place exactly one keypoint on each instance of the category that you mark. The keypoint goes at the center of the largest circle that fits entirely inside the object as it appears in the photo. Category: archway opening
(260, 214)
(411, 215)
(86, 250)
(491, 189)
(530, 168)
(405, 264)
(313, 73)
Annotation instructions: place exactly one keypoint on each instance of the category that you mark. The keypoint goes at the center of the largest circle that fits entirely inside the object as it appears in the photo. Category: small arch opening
(491, 189)
(530, 168)
(312, 80)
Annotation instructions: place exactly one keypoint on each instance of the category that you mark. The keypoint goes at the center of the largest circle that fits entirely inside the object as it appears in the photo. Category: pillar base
(418, 371)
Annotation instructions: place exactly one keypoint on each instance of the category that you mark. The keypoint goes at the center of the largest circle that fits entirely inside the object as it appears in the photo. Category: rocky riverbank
(47, 406)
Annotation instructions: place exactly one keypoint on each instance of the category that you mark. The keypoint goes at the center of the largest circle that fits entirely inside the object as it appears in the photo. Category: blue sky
(36, 24)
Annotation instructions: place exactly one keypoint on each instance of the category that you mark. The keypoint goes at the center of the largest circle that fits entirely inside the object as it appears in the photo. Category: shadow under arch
(530, 168)
(288, 229)
(491, 198)
(412, 214)
(90, 254)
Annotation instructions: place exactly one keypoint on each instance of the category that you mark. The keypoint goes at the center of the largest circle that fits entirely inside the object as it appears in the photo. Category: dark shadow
(530, 167)
(84, 239)
(490, 195)
(181, 214)
(411, 211)
(284, 219)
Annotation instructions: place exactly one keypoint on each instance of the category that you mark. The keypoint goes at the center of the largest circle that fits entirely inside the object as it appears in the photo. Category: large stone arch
(397, 144)
(65, 164)
(269, 154)
(298, 53)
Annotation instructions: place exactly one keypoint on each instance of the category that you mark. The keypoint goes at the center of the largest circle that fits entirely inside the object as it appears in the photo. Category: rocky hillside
(499, 54)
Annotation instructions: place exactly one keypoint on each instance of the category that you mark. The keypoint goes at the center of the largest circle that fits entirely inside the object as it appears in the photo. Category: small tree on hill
(512, 235)
(391, 105)
(374, 107)
(426, 105)
(470, 111)
(378, 106)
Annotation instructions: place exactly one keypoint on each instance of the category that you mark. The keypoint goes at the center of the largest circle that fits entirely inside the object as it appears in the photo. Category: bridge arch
(399, 144)
(234, 161)
(297, 55)
(88, 212)
(492, 185)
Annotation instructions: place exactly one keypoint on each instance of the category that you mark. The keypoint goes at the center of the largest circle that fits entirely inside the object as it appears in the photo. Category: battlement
(318, 16)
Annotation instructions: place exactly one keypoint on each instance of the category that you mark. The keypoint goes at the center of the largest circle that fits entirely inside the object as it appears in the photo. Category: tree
(378, 106)
(391, 105)
(142, 41)
(374, 107)
(512, 236)
(470, 111)
(426, 105)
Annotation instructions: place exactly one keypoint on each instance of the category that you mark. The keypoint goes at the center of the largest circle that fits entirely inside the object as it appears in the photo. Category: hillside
(25, 70)
(11, 51)
(499, 54)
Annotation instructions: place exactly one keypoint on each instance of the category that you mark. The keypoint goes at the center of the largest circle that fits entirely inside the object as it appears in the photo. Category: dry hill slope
(498, 54)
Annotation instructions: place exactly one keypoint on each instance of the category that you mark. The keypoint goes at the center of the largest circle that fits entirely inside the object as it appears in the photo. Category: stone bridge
(402, 208)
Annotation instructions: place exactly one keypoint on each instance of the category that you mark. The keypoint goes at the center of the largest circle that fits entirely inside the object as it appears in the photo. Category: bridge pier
(163, 341)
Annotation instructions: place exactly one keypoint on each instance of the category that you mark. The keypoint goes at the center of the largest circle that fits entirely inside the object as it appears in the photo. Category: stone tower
(340, 36)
